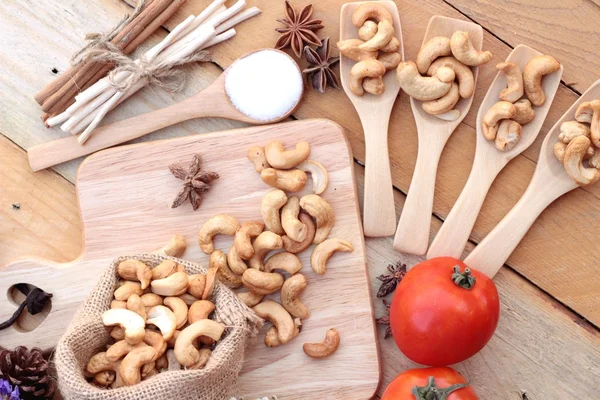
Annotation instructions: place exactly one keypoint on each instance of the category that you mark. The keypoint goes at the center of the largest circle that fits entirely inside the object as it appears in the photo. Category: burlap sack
(87, 336)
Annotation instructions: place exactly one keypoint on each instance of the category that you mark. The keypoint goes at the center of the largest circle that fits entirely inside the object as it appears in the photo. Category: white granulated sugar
(265, 85)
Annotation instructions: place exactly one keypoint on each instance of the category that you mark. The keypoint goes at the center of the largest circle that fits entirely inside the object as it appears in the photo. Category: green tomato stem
(433, 392)
(463, 279)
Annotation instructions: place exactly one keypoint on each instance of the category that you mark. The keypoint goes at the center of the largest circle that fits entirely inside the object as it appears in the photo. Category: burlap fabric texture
(86, 336)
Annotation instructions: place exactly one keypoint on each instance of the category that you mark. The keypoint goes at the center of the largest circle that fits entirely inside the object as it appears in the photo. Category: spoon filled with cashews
(509, 120)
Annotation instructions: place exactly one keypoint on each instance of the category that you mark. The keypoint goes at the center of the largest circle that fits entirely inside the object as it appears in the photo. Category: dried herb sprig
(385, 320)
(391, 280)
(195, 182)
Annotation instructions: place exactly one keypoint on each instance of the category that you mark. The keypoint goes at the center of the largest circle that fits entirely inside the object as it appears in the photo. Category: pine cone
(28, 370)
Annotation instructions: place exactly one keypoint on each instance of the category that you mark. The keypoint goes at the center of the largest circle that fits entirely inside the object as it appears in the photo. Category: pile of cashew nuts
(579, 141)
(440, 62)
(503, 122)
(375, 53)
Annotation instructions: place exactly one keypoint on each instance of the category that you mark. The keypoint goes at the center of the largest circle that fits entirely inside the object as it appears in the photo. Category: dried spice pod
(320, 67)
(391, 280)
(195, 182)
(299, 29)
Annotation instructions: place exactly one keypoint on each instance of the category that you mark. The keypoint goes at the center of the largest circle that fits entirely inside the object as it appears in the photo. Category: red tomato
(436, 319)
(416, 384)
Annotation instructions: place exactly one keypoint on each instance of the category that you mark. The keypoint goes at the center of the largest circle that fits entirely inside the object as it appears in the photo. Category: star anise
(299, 29)
(391, 280)
(194, 183)
(319, 71)
(385, 320)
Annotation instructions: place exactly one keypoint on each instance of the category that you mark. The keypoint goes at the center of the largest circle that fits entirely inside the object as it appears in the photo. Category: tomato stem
(433, 392)
(463, 279)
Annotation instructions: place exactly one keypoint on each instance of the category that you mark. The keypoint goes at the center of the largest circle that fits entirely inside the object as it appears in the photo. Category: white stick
(88, 108)
(231, 11)
(202, 17)
(170, 39)
(106, 107)
(241, 17)
(219, 38)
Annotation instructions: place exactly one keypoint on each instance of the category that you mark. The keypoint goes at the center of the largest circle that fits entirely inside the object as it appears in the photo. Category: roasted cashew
(392, 47)
(211, 282)
(118, 304)
(514, 81)
(464, 75)
(120, 349)
(185, 352)
(500, 110)
(573, 159)
(559, 150)
(451, 115)
(595, 124)
(133, 324)
(322, 212)
(269, 209)
(435, 47)
(533, 73)
(218, 260)
(256, 154)
(372, 11)
(196, 285)
(117, 333)
(279, 317)
(204, 357)
(172, 360)
(135, 304)
(134, 270)
(367, 30)
(100, 363)
(294, 247)
(151, 299)
(104, 378)
(264, 243)
(127, 289)
(350, 48)
(594, 160)
(201, 309)
(508, 135)
(156, 340)
(261, 282)
(162, 363)
(525, 113)
(374, 86)
(235, 262)
(292, 180)
(584, 112)
(463, 50)
(133, 362)
(219, 224)
(385, 33)
(174, 248)
(571, 129)
(292, 226)
(179, 308)
(325, 348)
(243, 238)
(280, 158)
(321, 253)
(444, 103)
(318, 174)
(164, 269)
(284, 261)
(272, 336)
(164, 319)
(171, 342)
(250, 299)
(421, 87)
(173, 285)
(361, 70)
(290, 296)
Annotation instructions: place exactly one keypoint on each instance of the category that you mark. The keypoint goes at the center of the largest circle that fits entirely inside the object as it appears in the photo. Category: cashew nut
(269, 209)
(322, 212)
(294, 247)
(120, 349)
(444, 103)
(156, 341)
(264, 243)
(525, 113)
(218, 260)
(451, 115)
(533, 73)
(134, 270)
(173, 285)
(421, 87)
(392, 47)
(321, 253)
(292, 180)
(151, 300)
(133, 324)
(280, 158)
(117, 333)
(594, 160)
(374, 86)
(219, 224)
(133, 362)
(350, 48)
(367, 30)
(509, 134)
(164, 269)
(435, 47)
(464, 75)
(261, 282)
(325, 348)
(559, 150)
(372, 11)
(135, 304)
(318, 174)
(573, 159)
(185, 352)
(249, 298)
(179, 308)
(500, 110)
(514, 81)
(236, 264)
(385, 33)
(99, 363)
(595, 124)
(201, 309)
(463, 50)
(196, 284)
(290, 296)
(118, 304)
(256, 154)
(389, 61)
(584, 112)
(104, 378)
(171, 342)
(172, 360)
(243, 238)
(279, 317)
(571, 129)
(164, 319)
(211, 281)
(162, 362)
(292, 226)
(174, 248)
(272, 336)
(362, 69)
(284, 261)
(127, 289)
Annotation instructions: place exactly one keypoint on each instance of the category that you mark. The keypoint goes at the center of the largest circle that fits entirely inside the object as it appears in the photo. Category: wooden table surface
(547, 345)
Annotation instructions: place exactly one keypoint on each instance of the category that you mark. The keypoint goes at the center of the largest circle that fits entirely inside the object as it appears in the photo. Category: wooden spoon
(210, 102)
(379, 213)
(549, 182)
(489, 161)
(412, 235)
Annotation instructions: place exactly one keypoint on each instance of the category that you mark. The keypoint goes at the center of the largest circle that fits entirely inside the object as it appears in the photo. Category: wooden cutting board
(125, 196)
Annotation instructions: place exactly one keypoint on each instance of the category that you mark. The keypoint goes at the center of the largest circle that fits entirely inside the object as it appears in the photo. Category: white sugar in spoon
(249, 91)
(489, 161)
